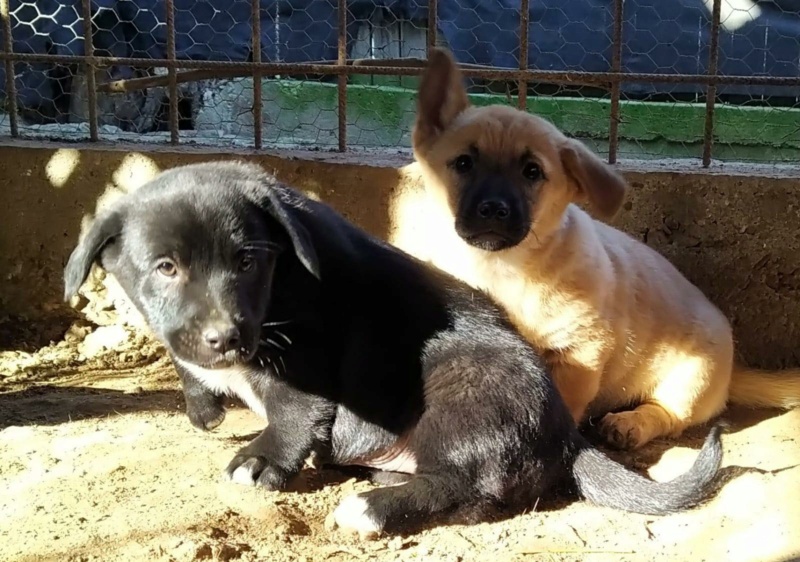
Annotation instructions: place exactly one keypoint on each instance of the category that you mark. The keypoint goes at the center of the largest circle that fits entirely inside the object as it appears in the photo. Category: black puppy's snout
(494, 209)
(222, 338)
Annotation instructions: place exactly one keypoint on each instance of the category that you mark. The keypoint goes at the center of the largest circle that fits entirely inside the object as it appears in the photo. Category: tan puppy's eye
(532, 171)
(463, 164)
(167, 268)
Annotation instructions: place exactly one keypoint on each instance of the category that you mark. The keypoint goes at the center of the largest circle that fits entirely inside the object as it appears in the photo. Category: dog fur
(620, 327)
(357, 354)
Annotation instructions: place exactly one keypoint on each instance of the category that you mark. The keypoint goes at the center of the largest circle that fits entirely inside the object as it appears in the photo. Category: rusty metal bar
(172, 73)
(11, 84)
(711, 91)
(407, 61)
(257, 101)
(616, 66)
(433, 19)
(341, 62)
(602, 79)
(135, 84)
(89, 68)
(522, 84)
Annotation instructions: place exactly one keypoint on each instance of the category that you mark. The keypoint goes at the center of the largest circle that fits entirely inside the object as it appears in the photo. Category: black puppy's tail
(606, 482)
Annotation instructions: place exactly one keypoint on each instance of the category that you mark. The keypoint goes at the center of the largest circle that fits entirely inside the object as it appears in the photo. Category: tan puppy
(619, 324)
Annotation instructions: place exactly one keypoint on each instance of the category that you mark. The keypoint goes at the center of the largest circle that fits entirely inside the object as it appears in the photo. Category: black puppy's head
(195, 250)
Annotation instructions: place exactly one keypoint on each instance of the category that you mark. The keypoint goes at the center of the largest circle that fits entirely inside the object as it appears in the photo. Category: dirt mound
(98, 462)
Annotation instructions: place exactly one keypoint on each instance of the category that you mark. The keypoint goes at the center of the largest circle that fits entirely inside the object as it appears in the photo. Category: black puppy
(355, 351)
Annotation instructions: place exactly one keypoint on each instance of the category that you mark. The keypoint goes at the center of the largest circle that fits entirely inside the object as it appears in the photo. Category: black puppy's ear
(301, 239)
(103, 230)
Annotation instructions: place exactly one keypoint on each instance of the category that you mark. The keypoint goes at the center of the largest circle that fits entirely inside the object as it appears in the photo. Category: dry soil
(98, 462)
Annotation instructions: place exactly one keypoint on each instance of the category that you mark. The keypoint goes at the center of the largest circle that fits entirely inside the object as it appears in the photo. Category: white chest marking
(233, 381)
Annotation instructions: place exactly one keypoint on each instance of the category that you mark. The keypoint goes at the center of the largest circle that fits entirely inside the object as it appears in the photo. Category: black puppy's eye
(532, 171)
(246, 263)
(463, 163)
(167, 268)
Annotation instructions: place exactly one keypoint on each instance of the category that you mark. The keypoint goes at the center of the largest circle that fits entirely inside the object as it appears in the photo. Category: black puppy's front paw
(252, 469)
(205, 417)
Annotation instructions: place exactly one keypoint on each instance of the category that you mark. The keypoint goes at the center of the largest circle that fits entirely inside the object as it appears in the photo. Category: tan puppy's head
(503, 174)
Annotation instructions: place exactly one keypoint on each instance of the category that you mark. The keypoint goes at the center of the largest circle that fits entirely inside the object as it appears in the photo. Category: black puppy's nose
(494, 209)
(222, 339)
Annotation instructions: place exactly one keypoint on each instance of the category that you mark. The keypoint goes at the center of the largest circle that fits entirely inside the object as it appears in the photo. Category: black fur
(354, 349)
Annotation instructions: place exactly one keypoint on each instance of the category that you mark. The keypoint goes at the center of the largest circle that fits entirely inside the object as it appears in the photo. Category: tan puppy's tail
(765, 389)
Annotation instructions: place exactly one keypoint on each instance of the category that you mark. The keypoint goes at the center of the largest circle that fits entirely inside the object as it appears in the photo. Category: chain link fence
(633, 78)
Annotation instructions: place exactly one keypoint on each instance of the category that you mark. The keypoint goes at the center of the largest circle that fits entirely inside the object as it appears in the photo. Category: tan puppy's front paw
(624, 430)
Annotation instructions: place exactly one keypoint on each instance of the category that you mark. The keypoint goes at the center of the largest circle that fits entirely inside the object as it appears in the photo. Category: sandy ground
(98, 462)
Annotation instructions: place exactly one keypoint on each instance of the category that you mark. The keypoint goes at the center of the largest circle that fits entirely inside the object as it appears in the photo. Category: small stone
(203, 552)
(397, 543)
(212, 532)
(105, 338)
(77, 332)
(672, 223)
(231, 552)
(292, 526)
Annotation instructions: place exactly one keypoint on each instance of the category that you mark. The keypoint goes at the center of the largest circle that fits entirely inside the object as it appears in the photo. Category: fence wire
(633, 78)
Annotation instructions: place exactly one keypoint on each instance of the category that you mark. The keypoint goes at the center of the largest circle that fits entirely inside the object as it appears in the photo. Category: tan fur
(619, 324)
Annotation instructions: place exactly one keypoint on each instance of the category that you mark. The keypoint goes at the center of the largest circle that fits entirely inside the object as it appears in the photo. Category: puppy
(356, 353)
(619, 326)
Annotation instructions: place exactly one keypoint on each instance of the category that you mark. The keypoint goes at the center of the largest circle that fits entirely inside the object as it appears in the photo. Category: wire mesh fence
(633, 78)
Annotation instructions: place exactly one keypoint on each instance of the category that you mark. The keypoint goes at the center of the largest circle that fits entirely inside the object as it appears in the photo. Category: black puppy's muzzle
(492, 215)
(215, 345)
(222, 339)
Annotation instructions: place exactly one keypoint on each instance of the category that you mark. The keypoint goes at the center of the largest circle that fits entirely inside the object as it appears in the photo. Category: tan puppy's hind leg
(691, 390)
(578, 386)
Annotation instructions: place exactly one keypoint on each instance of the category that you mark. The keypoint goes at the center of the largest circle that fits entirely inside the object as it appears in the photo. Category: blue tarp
(658, 36)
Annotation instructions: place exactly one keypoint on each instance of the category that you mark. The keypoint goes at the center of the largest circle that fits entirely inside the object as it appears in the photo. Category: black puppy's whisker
(273, 364)
(277, 323)
(278, 367)
(284, 336)
(261, 245)
(272, 343)
(251, 249)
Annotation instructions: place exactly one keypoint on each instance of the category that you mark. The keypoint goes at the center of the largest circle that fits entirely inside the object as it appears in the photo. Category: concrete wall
(734, 231)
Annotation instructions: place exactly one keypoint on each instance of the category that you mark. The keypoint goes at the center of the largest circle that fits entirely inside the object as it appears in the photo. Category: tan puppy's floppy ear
(442, 96)
(596, 182)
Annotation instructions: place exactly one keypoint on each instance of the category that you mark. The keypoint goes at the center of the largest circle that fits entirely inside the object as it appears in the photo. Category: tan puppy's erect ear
(596, 182)
(442, 97)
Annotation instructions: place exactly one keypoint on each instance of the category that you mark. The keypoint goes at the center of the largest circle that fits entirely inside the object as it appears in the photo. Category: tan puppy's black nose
(495, 209)
(222, 338)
